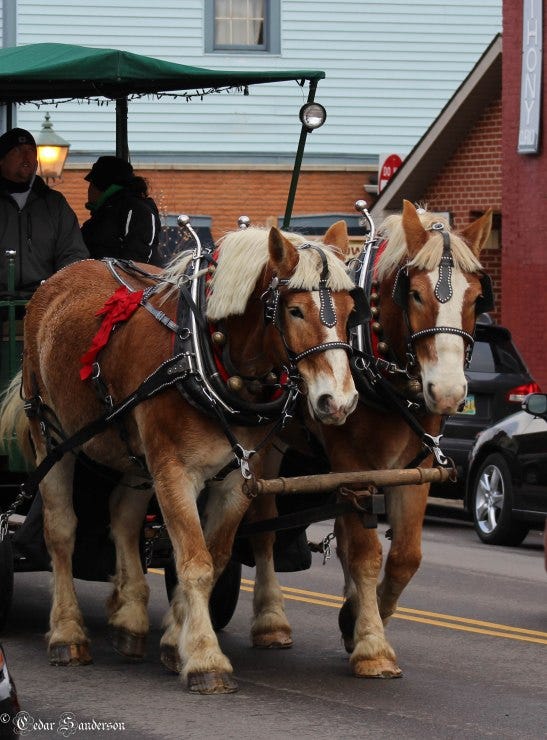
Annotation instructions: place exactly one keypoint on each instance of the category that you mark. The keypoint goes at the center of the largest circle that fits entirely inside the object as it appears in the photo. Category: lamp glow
(52, 151)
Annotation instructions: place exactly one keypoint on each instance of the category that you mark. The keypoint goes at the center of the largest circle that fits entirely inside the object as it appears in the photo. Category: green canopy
(37, 72)
(52, 71)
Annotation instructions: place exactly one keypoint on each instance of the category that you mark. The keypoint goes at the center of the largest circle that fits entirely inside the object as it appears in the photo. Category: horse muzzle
(328, 411)
(445, 399)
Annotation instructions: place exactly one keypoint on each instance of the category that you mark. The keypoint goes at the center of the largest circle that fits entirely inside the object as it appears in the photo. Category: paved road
(471, 637)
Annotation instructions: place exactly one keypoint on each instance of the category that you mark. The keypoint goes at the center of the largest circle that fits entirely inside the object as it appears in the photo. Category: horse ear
(337, 237)
(283, 254)
(415, 234)
(477, 233)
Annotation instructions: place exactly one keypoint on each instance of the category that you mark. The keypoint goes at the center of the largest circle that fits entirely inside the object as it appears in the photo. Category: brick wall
(227, 194)
(471, 182)
(524, 202)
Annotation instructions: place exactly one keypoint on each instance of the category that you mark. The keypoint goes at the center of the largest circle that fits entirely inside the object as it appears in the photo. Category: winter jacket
(44, 234)
(124, 226)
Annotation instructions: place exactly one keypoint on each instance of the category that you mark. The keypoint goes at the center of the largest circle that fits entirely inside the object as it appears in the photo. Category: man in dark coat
(36, 222)
(124, 222)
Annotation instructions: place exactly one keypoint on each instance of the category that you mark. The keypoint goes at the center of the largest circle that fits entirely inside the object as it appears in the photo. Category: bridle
(278, 287)
(443, 292)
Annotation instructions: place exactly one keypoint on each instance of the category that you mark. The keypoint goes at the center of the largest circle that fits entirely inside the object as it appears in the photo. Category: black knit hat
(110, 171)
(15, 137)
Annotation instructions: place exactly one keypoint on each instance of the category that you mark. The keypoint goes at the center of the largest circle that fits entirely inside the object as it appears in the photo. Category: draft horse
(426, 286)
(154, 333)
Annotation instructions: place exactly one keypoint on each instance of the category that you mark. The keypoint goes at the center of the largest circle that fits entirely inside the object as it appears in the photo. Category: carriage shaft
(326, 482)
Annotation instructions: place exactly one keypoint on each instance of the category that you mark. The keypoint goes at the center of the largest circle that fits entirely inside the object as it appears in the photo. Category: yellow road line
(463, 624)
(401, 610)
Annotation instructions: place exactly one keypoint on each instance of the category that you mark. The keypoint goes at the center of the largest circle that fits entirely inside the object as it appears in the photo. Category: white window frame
(272, 32)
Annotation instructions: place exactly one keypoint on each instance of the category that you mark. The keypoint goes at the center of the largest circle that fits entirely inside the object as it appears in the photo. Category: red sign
(388, 168)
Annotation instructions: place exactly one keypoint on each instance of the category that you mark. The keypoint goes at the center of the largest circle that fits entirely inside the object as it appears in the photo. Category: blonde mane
(243, 254)
(429, 256)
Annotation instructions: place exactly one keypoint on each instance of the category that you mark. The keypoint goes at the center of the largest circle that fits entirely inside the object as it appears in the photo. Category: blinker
(486, 301)
(361, 309)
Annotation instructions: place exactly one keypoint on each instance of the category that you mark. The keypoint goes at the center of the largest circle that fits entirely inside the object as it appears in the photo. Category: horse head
(436, 289)
(312, 309)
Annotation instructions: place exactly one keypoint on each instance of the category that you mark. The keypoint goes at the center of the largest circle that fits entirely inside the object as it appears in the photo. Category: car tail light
(518, 394)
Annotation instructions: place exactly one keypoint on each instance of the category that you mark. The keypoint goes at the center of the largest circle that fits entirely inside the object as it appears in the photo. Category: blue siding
(391, 67)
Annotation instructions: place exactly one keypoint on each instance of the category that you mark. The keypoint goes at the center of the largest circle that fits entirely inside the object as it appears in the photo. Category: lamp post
(52, 151)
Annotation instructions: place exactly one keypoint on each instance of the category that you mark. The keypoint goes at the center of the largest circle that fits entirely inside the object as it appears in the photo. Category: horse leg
(189, 645)
(68, 643)
(127, 606)
(360, 552)
(270, 627)
(405, 509)
(225, 508)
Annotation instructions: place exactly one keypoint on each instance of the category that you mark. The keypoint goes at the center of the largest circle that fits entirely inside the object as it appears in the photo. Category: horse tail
(14, 426)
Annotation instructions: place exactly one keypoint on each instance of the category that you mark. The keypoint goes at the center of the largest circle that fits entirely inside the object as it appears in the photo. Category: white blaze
(444, 382)
(333, 382)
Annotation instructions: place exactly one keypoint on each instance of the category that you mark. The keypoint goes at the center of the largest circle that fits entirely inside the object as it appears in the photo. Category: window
(242, 26)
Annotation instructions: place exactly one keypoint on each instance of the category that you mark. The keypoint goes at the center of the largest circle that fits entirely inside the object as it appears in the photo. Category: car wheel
(224, 597)
(6, 579)
(492, 500)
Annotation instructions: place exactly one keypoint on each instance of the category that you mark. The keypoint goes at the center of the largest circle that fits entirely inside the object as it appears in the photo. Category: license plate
(469, 409)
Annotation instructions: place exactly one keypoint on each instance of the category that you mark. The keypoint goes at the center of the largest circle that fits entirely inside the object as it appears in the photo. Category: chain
(5, 515)
(326, 548)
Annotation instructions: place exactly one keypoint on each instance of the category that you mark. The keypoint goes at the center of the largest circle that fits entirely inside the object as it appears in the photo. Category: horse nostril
(323, 402)
(430, 390)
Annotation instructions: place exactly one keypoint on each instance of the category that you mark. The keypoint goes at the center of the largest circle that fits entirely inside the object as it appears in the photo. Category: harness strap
(430, 443)
(296, 519)
(167, 374)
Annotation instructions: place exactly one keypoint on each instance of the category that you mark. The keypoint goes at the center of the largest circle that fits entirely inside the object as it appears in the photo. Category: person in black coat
(125, 222)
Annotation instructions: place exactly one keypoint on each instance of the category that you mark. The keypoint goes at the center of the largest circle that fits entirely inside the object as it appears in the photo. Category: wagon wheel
(223, 601)
(6, 579)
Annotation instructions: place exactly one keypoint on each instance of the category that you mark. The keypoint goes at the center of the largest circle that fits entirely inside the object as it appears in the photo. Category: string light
(100, 100)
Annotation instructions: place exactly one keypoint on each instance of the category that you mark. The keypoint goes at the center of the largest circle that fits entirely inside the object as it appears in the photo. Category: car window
(482, 360)
(495, 358)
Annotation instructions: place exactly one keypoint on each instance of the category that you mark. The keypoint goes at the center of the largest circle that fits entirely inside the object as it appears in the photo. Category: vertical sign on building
(530, 82)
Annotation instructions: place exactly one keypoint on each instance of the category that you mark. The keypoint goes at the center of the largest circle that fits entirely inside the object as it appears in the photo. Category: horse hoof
(129, 644)
(377, 668)
(211, 682)
(169, 656)
(69, 654)
(272, 641)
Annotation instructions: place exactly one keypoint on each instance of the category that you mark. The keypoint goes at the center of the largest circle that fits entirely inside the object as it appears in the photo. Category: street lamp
(52, 151)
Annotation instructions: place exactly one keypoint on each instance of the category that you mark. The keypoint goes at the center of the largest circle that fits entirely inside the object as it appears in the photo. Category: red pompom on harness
(119, 307)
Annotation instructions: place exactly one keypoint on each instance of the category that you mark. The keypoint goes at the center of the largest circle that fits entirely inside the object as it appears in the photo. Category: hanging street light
(52, 151)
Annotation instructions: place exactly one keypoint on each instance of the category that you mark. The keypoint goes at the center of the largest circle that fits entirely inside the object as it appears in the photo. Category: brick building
(456, 168)
(469, 160)
(524, 198)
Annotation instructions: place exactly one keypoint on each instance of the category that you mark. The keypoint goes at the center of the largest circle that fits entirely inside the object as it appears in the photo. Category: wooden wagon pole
(326, 482)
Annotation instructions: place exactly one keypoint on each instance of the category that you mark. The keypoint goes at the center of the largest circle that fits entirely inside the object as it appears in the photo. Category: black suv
(498, 383)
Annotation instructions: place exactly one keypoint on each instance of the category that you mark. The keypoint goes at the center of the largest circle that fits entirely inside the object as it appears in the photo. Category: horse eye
(416, 296)
(296, 312)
